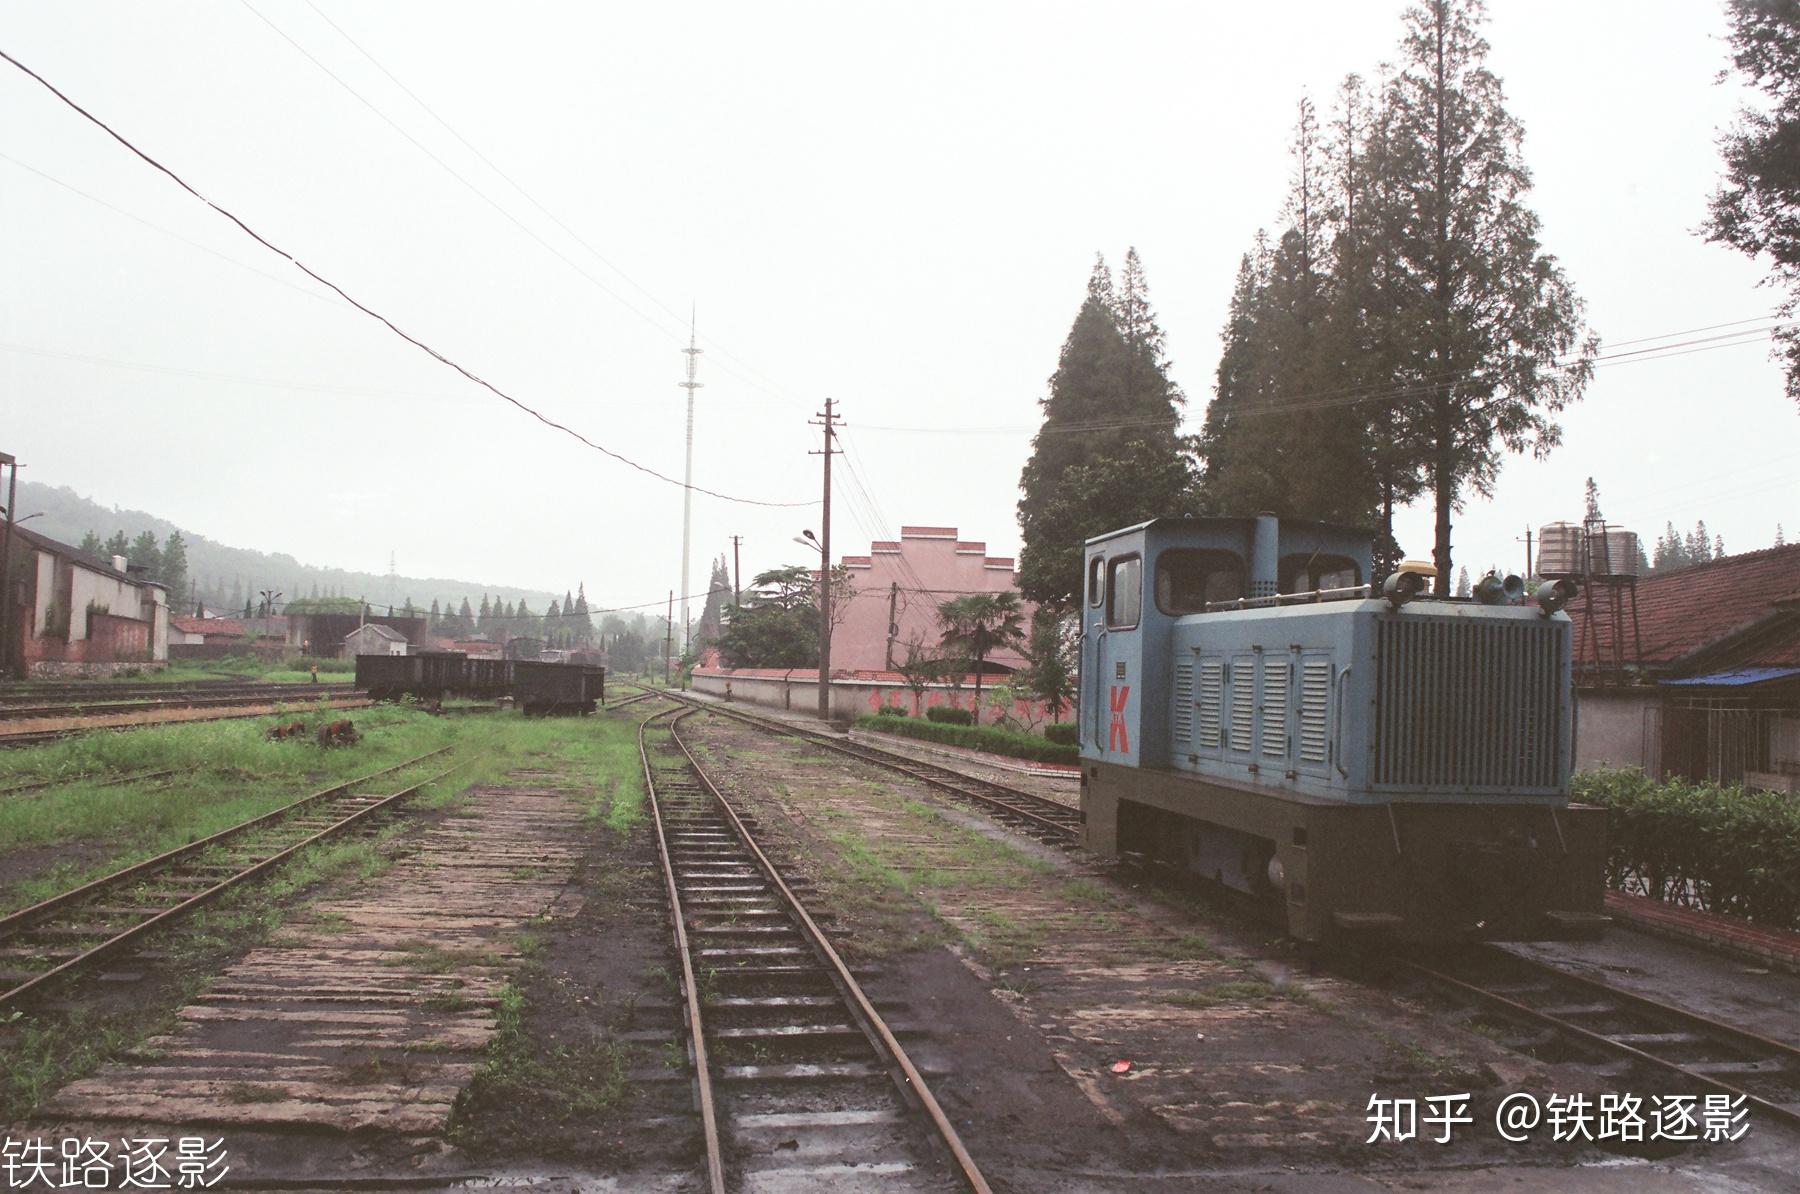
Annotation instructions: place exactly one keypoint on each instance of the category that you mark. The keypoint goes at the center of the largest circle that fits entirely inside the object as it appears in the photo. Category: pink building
(899, 586)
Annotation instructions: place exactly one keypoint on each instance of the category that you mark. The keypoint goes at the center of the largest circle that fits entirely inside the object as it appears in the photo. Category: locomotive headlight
(1552, 595)
(1402, 587)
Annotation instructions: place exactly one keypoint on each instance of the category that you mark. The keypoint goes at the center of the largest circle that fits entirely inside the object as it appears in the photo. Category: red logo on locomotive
(1119, 739)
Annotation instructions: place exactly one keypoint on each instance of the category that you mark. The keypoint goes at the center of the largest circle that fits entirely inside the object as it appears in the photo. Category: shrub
(988, 738)
(1063, 733)
(893, 711)
(944, 715)
(1718, 848)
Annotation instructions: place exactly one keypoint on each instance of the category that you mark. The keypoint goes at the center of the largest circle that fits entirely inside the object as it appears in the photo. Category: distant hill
(225, 576)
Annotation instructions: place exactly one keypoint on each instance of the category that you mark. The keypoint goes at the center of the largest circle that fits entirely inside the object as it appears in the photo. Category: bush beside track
(992, 739)
(1719, 849)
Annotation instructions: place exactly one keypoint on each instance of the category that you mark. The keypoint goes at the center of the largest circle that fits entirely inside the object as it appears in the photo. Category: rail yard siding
(854, 694)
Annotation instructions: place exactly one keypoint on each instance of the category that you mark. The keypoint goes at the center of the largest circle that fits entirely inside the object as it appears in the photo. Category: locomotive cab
(1252, 711)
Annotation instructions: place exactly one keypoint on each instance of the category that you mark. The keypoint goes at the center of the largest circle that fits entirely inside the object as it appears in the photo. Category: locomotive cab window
(1187, 578)
(1124, 592)
(1096, 579)
(1307, 573)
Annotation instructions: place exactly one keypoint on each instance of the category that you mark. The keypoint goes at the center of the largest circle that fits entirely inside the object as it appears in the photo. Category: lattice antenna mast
(687, 477)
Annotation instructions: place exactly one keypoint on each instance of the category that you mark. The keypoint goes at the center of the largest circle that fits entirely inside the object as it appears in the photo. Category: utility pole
(828, 420)
(687, 478)
(1527, 573)
(669, 639)
(737, 576)
(893, 623)
(7, 662)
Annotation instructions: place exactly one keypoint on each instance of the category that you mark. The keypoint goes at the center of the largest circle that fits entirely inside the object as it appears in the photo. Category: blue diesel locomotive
(1366, 762)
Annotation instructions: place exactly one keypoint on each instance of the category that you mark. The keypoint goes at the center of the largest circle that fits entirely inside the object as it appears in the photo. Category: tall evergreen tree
(91, 544)
(1757, 208)
(118, 545)
(484, 617)
(718, 595)
(174, 564)
(553, 630)
(146, 554)
(582, 623)
(434, 621)
(524, 624)
(1592, 498)
(1108, 453)
(1495, 327)
(465, 620)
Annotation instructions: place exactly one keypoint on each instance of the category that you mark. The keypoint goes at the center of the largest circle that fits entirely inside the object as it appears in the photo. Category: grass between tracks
(228, 772)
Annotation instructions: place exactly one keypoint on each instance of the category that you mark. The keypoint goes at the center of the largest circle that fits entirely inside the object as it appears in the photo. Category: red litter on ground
(1121, 1067)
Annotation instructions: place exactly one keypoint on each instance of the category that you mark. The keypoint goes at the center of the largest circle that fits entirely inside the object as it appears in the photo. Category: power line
(375, 315)
(718, 349)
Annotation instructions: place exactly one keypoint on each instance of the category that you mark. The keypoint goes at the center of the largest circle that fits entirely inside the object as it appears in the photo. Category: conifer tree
(484, 617)
(146, 555)
(1108, 453)
(583, 624)
(465, 620)
(1780, 540)
(526, 625)
(91, 544)
(1462, 581)
(718, 592)
(553, 632)
(118, 545)
(1495, 329)
(434, 622)
(1757, 208)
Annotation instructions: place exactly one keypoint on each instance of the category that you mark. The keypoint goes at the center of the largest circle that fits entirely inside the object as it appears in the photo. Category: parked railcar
(1365, 763)
(543, 688)
(387, 677)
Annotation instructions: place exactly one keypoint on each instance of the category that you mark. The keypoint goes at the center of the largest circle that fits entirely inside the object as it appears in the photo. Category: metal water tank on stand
(1612, 551)
(1560, 550)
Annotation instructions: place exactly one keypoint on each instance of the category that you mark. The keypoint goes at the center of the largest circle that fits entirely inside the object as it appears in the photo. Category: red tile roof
(1743, 609)
(208, 626)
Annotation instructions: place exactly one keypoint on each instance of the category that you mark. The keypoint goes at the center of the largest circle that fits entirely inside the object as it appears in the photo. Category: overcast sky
(894, 206)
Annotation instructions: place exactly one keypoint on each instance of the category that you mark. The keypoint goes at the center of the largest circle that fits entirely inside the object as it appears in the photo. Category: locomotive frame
(1251, 712)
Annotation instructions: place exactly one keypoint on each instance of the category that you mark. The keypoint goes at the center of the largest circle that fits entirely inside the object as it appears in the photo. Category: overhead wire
(713, 345)
(377, 316)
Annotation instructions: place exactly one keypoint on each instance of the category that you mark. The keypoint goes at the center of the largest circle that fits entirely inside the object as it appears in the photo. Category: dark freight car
(387, 677)
(557, 687)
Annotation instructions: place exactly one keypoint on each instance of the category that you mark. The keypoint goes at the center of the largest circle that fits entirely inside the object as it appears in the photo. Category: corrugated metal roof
(1736, 678)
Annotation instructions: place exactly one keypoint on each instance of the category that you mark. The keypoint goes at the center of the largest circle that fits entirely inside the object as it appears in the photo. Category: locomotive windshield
(1307, 573)
(1124, 592)
(1187, 578)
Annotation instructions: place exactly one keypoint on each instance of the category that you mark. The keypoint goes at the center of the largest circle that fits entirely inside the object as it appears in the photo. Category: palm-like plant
(977, 625)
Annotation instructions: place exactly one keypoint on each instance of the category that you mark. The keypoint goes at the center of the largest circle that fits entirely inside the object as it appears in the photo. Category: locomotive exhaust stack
(1398, 763)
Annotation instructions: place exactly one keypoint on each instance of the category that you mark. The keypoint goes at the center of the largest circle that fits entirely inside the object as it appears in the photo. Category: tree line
(165, 564)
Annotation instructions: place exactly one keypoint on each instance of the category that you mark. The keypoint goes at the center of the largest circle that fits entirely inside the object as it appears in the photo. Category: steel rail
(294, 694)
(958, 784)
(168, 916)
(882, 1036)
(35, 737)
(36, 785)
(13, 922)
(1600, 1041)
(709, 1120)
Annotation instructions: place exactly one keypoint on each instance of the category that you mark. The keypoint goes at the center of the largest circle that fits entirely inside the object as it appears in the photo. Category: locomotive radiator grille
(1315, 705)
(1211, 703)
(1184, 702)
(1243, 703)
(1275, 709)
(1468, 705)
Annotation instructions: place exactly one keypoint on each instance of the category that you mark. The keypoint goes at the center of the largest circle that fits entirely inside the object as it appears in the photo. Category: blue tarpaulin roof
(1737, 678)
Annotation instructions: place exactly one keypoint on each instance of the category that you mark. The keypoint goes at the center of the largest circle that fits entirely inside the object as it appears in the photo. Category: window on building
(1306, 573)
(1124, 592)
(1188, 577)
(1096, 575)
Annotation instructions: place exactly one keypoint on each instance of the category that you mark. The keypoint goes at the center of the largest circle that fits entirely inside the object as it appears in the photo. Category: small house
(371, 638)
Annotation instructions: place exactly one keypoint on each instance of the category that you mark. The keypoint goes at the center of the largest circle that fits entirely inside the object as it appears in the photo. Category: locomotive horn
(1514, 588)
(1552, 595)
(1402, 587)
(1489, 590)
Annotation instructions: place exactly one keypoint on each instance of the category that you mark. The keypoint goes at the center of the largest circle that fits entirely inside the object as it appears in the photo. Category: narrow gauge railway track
(642, 696)
(1554, 1011)
(793, 1065)
(36, 785)
(1047, 820)
(106, 704)
(28, 692)
(69, 933)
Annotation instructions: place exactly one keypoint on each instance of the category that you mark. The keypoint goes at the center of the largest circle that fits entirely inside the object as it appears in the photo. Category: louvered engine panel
(1468, 704)
(1183, 721)
(1315, 710)
(1210, 704)
(1275, 708)
(1243, 704)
